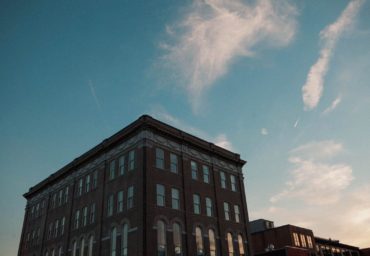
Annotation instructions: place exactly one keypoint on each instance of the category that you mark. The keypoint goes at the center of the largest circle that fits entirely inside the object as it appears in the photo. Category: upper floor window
(131, 160)
(66, 191)
(309, 242)
(296, 239)
(60, 251)
(50, 232)
(130, 197)
(199, 241)
(227, 211)
(237, 213)
(56, 228)
(77, 219)
(95, 179)
(113, 242)
(110, 205)
(54, 200)
(230, 244)
(174, 163)
(124, 240)
(82, 247)
(80, 185)
(84, 216)
(241, 245)
(121, 165)
(212, 242)
(194, 170)
(223, 179)
(196, 204)
(175, 194)
(62, 223)
(177, 241)
(159, 158)
(303, 240)
(92, 213)
(91, 245)
(60, 199)
(209, 209)
(120, 201)
(160, 195)
(112, 169)
(161, 238)
(205, 174)
(74, 250)
(233, 182)
(87, 183)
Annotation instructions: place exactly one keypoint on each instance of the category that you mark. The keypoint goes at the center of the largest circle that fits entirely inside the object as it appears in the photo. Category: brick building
(329, 247)
(149, 189)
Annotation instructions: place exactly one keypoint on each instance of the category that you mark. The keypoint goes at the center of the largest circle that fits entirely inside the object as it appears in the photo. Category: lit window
(159, 158)
(175, 194)
(92, 213)
(230, 244)
(196, 203)
(80, 185)
(77, 219)
(124, 240)
(174, 163)
(303, 240)
(161, 238)
(160, 195)
(66, 194)
(120, 201)
(309, 242)
(84, 216)
(227, 211)
(212, 242)
(130, 197)
(199, 241)
(296, 239)
(113, 242)
(233, 182)
(223, 180)
(121, 163)
(241, 245)
(209, 209)
(177, 241)
(194, 170)
(112, 169)
(131, 160)
(82, 247)
(205, 174)
(95, 179)
(110, 205)
(237, 213)
(87, 183)
(91, 245)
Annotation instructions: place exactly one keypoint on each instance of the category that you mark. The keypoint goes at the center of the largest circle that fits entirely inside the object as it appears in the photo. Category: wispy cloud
(313, 88)
(93, 94)
(215, 32)
(314, 176)
(264, 131)
(296, 123)
(333, 105)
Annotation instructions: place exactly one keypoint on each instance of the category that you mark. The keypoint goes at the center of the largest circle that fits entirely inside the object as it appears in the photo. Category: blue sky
(283, 83)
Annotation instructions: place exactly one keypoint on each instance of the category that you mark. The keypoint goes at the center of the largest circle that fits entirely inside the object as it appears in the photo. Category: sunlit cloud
(209, 38)
(313, 88)
(333, 105)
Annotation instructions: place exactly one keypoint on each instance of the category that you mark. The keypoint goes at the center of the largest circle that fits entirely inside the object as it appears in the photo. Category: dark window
(130, 197)
(159, 158)
(196, 204)
(175, 194)
(112, 169)
(161, 195)
(121, 163)
(174, 163)
(209, 209)
(205, 174)
(194, 170)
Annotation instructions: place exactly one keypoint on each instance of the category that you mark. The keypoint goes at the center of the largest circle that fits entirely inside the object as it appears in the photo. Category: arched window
(91, 245)
(113, 242)
(161, 238)
(241, 245)
(82, 250)
(199, 241)
(177, 241)
(60, 251)
(212, 242)
(74, 249)
(230, 244)
(124, 239)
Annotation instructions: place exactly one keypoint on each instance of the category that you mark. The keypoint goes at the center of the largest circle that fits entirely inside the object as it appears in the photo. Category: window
(233, 182)
(110, 205)
(46, 253)
(66, 194)
(174, 163)
(54, 201)
(60, 251)
(205, 174)
(161, 238)
(175, 194)
(87, 183)
(120, 201)
(92, 213)
(209, 209)
(121, 165)
(62, 223)
(130, 197)
(124, 240)
(237, 213)
(303, 240)
(159, 158)
(112, 169)
(212, 242)
(91, 245)
(84, 216)
(74, 250)
(131, 160)
(196, 203)
(296, 239)
(309, 242)
(113, 242)
(53, 252)
(223, 180)
(77, 219)
(50, 233)
(194, 170)
(177, 239)
(82, 248)
(56, 228)
(227, 211)
(95, 179)
(80, 184)
(199, 241)
(37, 235)
(160, 195)
(230, 244)
(241, 245)
(60, 199)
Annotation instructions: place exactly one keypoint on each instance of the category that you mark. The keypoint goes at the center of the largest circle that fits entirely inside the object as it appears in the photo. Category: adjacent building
(150, 189)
